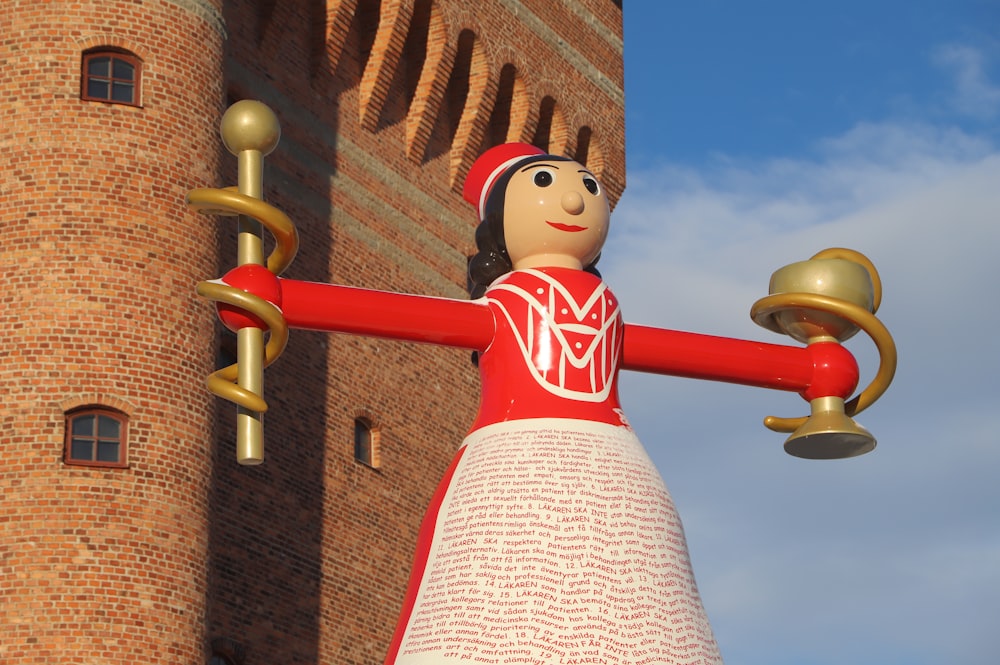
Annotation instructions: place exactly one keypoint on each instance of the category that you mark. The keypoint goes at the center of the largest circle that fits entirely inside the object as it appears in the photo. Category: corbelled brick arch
(588, 151)
(317, 13)
(480, 94)
(280, 28)
(265, 13)
(552, 133)
(384, 61)
(396, 64)
(513, 114)
(337, 19)
(513, 117)
(431, 87)
(453, 104)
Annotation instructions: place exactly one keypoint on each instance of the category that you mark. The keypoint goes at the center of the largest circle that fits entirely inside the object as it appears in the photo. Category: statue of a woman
(551, 538)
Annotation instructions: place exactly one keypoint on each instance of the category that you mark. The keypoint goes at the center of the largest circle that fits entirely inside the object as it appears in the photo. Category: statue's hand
(253, 279)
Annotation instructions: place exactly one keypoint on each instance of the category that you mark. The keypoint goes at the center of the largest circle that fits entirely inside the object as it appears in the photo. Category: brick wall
(383, 108)
(97, 259)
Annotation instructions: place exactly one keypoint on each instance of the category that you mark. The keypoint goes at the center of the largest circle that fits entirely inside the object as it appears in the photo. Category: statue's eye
(543, 177)
(592, 185)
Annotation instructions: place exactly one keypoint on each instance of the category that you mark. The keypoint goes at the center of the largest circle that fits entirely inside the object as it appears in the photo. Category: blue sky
(751, 79)
(758, 135)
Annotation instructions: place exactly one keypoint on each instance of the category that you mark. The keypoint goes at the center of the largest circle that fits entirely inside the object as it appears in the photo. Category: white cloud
(974, 95)
(895, 550)
(913, 197)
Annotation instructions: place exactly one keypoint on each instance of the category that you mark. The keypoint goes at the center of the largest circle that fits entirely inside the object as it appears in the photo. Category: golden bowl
(839, 279)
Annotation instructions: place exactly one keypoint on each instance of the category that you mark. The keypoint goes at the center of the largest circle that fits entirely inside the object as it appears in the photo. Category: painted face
(555, 215)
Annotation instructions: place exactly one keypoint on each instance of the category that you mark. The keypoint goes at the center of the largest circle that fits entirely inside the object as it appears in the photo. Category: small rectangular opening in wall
(366, 443)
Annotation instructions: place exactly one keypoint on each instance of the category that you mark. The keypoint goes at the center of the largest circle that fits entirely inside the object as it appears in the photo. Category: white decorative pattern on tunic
(586, 335)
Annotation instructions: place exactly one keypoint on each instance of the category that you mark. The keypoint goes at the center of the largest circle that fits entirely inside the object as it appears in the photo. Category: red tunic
(554, 354)
(552, 537)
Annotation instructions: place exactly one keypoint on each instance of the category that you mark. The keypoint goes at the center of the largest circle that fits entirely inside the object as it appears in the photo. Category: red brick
(304, 559)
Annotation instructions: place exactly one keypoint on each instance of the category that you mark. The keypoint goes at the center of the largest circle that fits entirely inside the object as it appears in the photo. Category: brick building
(128, 533)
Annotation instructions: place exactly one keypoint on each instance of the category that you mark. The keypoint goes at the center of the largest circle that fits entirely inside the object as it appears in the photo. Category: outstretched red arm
(818, 370)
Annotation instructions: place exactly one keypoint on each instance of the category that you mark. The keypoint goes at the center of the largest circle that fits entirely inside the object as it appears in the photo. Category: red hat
(490, 165)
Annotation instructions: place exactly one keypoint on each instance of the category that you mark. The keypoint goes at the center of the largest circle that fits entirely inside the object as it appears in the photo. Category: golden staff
(250, 130)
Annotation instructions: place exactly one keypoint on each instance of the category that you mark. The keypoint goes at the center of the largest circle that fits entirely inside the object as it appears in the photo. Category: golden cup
(825, 299)
(839, 279)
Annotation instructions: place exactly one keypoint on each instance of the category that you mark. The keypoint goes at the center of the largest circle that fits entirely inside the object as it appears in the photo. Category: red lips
(572, 228)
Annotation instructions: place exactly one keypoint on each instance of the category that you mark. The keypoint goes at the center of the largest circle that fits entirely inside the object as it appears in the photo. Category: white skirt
(557, 543)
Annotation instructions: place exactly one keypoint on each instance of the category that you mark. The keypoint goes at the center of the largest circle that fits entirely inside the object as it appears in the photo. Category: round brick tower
(109, 115)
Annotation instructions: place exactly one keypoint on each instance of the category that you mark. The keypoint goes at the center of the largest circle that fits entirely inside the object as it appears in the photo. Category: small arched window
(110, 75)
(96, 436)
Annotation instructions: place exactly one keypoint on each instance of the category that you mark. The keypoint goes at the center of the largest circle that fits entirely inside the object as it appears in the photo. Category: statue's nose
(572, 202)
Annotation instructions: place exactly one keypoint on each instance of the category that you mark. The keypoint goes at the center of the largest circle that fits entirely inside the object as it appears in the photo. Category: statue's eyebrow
(537, 164)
